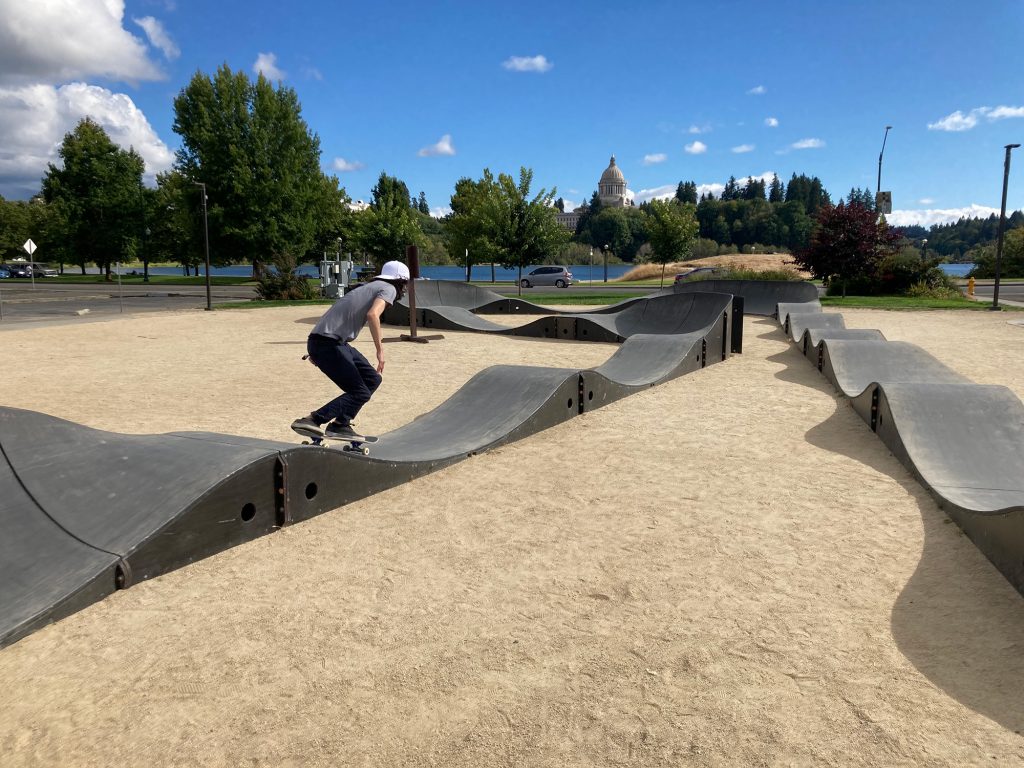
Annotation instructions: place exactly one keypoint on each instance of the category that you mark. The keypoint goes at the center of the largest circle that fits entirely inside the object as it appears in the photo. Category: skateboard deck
(348, 444)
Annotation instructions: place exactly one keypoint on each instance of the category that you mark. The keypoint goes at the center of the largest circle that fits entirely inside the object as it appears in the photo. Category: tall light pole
(886, 136)
(1002, 221)
(206, 242)
(606, 262)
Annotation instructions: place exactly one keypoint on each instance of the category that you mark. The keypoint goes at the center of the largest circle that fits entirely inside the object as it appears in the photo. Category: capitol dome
(612, 187)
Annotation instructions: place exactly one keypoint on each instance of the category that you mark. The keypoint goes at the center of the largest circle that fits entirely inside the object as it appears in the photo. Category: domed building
(611, 190)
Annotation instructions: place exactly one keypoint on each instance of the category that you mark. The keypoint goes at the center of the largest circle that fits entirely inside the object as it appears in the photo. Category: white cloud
(928, 217)
(771, 122)
(696, 148)
(440, 211)
(527, 64)
(34, 120)
(158, 37)
(757, 90)
(60, 40)
(312, 73)
(654, 159)
(442, 147)
(958, 121)
(698, 129)
(668, 191)
(808, 144)
(1001, 113)
(743, 148)
(267, 64)
(342, 165)
(570, 205)
(925, 201)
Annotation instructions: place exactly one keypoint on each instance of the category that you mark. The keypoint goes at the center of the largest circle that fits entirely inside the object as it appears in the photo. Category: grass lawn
(908, 302)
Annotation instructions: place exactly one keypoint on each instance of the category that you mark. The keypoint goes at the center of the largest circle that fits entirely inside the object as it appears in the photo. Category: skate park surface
(767, 562)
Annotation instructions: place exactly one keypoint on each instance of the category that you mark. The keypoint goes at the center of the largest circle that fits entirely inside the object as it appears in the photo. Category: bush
(923, 290)
(283, 286)
(1012, 264)
(741, 273)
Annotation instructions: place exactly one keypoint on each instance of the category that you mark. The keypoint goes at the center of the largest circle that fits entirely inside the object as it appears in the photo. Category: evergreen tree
(421, 204)
(686, 192)
(776, 192)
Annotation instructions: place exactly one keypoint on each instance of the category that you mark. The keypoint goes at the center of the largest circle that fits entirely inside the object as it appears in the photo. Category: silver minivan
(560, 277)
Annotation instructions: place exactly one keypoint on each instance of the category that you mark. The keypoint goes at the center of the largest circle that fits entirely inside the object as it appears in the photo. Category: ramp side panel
(45, 574)
(115, 491)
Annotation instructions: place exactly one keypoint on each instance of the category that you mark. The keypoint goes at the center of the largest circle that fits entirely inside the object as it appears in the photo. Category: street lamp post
(145, 261)
(924, 248)
(886, 136)
(591, 265)
(1002, 222)
(606, 262)
(206, 243)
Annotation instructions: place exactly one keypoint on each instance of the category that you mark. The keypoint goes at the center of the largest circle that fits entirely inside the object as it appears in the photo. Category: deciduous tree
(98, 194)
(847, 243)
(671, 228)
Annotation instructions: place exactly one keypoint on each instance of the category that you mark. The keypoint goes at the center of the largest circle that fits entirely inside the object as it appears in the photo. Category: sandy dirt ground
(729, 569)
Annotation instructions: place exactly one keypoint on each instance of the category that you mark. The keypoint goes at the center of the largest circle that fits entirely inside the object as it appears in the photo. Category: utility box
(883, 202)
(335, 277)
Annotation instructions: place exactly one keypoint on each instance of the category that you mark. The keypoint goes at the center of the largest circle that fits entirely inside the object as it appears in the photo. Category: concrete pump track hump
(86, 512)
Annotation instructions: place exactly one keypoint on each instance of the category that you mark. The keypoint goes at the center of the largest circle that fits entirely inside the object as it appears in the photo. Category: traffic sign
(29, 246)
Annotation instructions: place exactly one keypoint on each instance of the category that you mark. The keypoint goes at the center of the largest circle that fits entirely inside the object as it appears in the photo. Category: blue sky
(431, 92)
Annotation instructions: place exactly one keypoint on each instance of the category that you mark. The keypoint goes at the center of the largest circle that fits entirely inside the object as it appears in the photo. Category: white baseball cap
(394, 270)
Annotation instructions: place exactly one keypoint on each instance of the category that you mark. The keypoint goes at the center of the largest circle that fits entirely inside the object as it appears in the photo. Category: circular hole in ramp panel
(570, 403)
(311, 491)
(590, 395)
(248, 512)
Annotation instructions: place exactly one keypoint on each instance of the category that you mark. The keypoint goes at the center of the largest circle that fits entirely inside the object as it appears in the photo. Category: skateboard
(349, 444)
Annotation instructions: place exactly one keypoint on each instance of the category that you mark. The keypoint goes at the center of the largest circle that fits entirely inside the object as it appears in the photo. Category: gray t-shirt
(346, 318)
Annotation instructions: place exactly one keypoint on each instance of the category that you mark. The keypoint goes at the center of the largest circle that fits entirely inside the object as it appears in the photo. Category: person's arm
(373, 320)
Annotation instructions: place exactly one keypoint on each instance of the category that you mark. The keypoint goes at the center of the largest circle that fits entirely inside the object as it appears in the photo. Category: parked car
(41, 270)
(4, 272)
(698, 273)
(18, 269)
(560, 277)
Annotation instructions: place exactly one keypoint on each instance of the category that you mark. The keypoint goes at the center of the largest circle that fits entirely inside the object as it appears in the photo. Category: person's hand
(380, 361)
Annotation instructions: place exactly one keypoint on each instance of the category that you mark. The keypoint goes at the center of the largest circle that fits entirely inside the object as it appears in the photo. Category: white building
(611, 190)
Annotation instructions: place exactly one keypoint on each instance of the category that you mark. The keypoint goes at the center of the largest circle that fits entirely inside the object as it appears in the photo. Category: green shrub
(283, 286)
(922, 290)
(740, 273)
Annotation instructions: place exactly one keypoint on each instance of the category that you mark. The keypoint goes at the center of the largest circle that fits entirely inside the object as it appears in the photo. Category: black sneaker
(341, 431)
(307, 427)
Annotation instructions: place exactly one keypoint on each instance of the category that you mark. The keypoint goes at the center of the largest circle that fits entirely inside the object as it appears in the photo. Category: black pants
(350, 370)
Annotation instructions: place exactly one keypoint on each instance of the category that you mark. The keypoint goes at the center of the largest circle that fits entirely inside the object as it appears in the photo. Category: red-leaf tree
(847, 243)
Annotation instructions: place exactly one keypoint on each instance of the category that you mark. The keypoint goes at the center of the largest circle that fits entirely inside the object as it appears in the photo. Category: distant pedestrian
(330, 351)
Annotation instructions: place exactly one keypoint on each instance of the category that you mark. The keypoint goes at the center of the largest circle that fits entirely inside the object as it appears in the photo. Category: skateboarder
(329, 350)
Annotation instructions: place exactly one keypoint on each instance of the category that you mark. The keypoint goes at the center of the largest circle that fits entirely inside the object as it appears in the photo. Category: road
(73, 302)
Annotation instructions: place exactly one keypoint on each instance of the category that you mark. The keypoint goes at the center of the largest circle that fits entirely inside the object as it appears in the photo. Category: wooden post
(412, 256)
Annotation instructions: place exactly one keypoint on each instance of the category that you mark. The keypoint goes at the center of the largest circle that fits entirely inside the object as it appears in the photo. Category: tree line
(246, 145)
